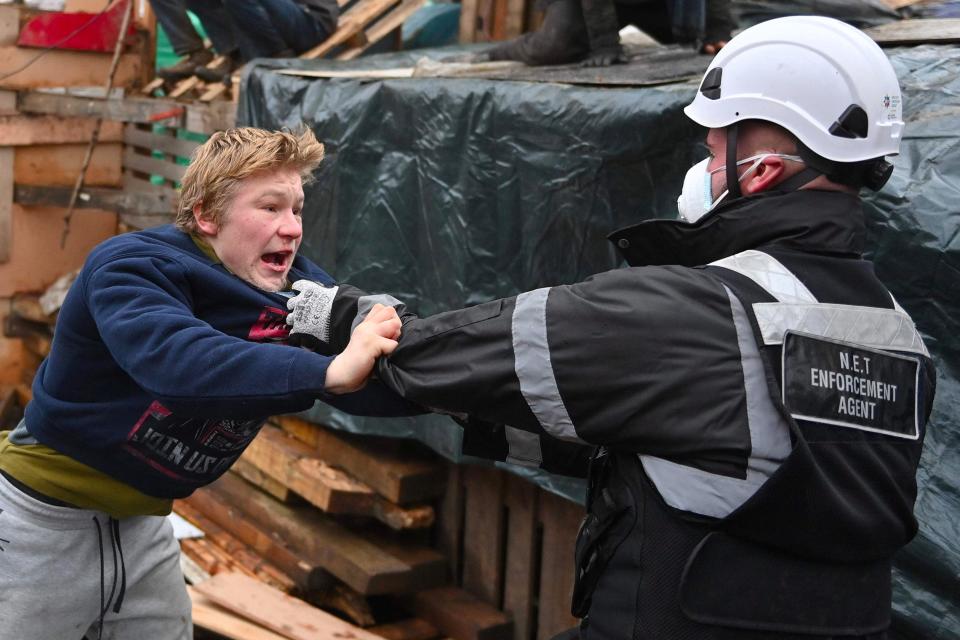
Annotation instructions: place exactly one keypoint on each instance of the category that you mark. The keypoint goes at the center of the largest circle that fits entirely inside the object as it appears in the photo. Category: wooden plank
(38, 344)
(468, 21)
(249, 472)
(295, 465)
(192, 572)
(521, 499)
(450, 520)
(200, 118)
(351, 23)
(513, 23)
(262, 540)
(8, 407)
(170, 145)
(399, 471)
(157, 203)
(153, 166)
(207, 615)
(922, 31)
(64, 69)
(209, 557)
(428, 567)
(214, 91)
(58, 165)
(409, 629)
(9, 25)
(239, 552)
(208, 117)
(196, 117)
(31, 130)
(152, 86)
(318, 540)
(345, 601)
(560, 519)
(460, 615)
(8, 103)
(6, 203)
(483, 537)
(498, 19)
(277, 611)
(27, 306)
(384, 26)
(185, 86)
(134, 222)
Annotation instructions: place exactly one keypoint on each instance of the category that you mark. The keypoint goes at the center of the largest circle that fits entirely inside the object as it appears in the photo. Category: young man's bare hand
(376, 336)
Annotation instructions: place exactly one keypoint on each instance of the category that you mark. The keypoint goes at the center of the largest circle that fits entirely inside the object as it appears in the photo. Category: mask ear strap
(733, 178)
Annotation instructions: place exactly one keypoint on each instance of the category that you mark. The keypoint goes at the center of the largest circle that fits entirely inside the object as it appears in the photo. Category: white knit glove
(310, 310)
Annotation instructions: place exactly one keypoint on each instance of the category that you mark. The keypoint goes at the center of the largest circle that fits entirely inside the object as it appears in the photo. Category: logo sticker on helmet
(892, 104)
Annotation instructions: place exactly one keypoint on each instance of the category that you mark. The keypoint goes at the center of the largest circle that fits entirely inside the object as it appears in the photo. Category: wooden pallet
(362, 25)
(511, 544)
(153, 165)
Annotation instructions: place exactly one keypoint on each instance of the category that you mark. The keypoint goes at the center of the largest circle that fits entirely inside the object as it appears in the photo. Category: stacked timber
(342, 523)
(28, 322)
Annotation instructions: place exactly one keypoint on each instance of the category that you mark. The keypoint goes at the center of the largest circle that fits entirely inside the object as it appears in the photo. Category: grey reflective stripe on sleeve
(523, 447)
(710, 494)
(769, 273)
(365, 304)
(868, 326)
(532, 364)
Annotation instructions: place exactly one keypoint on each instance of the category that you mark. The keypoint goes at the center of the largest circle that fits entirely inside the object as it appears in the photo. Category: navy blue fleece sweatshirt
(164, 365)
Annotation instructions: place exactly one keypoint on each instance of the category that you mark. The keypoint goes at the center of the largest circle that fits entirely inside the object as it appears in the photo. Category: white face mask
(696, 198)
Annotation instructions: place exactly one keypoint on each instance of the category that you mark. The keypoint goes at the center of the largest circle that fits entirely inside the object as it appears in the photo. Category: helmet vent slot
(710, 87)
(852, 123)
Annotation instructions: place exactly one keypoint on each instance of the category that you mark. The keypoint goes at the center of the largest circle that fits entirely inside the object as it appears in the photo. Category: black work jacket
(710, 471)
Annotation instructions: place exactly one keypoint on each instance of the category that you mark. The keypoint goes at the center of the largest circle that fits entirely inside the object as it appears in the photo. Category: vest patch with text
(848, 385)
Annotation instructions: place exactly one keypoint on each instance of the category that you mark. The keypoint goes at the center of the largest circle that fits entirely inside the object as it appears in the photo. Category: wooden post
(561, 521)
(483, 534)
(468, 21)
(8, 107)
(521, 498)
(6, 202)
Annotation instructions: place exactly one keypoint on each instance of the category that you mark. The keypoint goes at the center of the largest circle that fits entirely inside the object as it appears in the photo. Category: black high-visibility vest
(809, 552)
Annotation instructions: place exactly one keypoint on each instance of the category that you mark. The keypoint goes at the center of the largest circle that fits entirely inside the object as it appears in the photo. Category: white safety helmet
(825, 81)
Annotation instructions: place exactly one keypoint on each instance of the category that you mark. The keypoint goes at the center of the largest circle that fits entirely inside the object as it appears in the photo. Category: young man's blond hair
(228, 157)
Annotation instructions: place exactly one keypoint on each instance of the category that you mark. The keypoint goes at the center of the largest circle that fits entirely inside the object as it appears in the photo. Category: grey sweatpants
(60, 567)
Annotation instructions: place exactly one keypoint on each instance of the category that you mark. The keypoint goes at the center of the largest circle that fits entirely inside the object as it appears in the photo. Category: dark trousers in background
(268, 28)
(172, 16)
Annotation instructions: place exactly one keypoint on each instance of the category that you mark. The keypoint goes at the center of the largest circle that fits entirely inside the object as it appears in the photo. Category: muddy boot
(184, 68)
(603, 32)
(561, 39)
(221, 72)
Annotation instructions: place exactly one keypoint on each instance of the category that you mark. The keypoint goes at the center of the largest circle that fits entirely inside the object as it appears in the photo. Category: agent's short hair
(228, 157)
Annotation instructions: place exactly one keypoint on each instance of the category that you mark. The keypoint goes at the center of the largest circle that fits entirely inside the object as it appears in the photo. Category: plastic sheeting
(450, 192)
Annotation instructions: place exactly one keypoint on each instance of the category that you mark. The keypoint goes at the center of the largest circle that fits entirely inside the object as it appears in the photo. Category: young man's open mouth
(277, 261)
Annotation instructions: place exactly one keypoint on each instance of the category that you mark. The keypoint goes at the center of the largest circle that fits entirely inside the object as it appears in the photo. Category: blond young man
(170, 352)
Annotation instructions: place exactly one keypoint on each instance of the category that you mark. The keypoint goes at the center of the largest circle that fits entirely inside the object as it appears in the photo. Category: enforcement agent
(756, 397)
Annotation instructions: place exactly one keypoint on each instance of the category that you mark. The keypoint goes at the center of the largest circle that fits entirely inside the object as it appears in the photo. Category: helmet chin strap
(733, 178)
(795, 182)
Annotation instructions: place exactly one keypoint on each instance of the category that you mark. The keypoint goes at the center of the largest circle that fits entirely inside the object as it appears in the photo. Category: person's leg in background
(222, 32)
(275, 28)
(186, 42)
